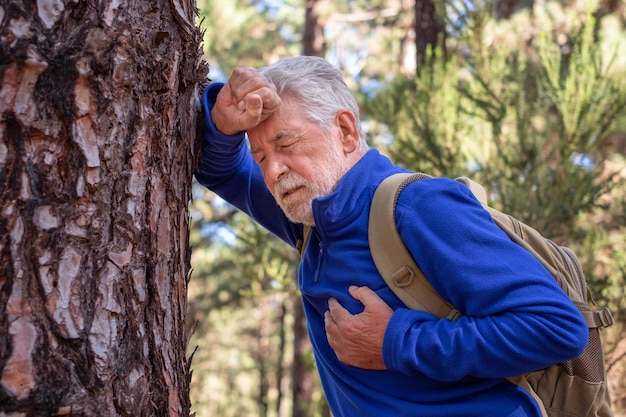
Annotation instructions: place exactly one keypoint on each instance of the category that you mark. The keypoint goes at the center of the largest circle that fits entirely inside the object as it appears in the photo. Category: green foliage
(603, 245)
(242, 32)
(426, 117)
(530, 123)
(587, 99)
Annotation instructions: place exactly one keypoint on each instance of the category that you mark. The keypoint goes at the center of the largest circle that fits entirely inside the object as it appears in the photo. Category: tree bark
(97, 121)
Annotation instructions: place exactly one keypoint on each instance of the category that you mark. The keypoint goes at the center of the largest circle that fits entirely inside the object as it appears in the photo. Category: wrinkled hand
(358, 339)
(246, 100)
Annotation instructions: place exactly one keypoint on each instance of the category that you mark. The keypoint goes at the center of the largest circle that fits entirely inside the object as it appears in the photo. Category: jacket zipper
(320, 258)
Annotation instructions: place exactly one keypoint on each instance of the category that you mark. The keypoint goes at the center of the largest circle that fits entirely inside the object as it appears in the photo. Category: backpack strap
(301, 244)
(393, 260)
(523, 383)
(397, 266)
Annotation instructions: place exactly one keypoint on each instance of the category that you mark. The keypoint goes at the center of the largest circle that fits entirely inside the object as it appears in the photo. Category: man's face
(299, 160)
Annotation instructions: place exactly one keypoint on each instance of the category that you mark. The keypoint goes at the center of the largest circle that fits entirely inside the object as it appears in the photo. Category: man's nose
(275, 168)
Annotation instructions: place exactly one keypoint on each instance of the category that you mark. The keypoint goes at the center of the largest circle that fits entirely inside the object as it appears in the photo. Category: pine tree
(97, 120)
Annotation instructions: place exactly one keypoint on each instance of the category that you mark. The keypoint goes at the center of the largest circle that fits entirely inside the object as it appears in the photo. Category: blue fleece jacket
(516, 318)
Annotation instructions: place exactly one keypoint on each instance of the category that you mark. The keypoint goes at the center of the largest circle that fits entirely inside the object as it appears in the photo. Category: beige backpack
(573, 388)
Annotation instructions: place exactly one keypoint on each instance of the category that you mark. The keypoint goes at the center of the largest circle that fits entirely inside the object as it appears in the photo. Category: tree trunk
(313, 40)
(427, 30)
(505, 8)
(302, 392)
(97, 120)
(281, 355)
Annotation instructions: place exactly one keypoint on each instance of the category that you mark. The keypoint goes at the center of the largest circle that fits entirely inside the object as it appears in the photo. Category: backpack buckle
(605, 316)
(403, 277)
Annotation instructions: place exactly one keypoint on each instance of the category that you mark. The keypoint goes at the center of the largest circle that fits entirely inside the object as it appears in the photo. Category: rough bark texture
(97, 121)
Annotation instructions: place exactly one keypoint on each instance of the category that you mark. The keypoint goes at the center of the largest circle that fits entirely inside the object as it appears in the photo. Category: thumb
(370, 300)
(336, 310)
(364, 294)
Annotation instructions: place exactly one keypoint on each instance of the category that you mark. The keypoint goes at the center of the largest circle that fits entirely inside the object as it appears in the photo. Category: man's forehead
(256, 145)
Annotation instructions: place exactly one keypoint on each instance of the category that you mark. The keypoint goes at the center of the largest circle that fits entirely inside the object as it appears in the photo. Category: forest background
(526, 97)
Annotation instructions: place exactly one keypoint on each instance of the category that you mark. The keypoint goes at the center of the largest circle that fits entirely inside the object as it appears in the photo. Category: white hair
(318, 87)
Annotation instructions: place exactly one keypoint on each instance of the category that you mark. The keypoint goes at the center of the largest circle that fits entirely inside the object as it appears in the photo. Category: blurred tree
(504, 9)
(243, 266)
(251, 33)
(313, 40)
(537, 119)
(245, 280)
(429, 31)
(532, 131)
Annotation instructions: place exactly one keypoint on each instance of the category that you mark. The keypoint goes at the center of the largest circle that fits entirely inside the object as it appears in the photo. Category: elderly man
(308, 164)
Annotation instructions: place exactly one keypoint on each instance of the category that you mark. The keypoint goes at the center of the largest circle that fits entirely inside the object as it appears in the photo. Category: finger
(252, 105)
(371, 301)
(258, 105)
(331, 327)
(327, 317)
(332, 301)
(271, 99)
(241, 76)
(364, 294)
(336, 311)
(251, 83)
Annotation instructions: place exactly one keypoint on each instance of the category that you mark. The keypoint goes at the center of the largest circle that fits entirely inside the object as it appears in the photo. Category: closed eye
(258, 156)
(287, 140)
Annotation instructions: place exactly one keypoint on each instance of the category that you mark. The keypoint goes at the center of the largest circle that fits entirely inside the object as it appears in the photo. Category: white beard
(299, 208)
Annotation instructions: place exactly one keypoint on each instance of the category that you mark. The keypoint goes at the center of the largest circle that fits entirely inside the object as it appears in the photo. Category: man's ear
(347, 124)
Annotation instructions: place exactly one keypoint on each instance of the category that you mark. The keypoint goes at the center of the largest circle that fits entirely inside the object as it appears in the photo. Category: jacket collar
(354, 193)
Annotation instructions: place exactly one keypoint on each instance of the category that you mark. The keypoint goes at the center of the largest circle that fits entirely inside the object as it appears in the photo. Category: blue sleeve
(227, 168)
(515, 316)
